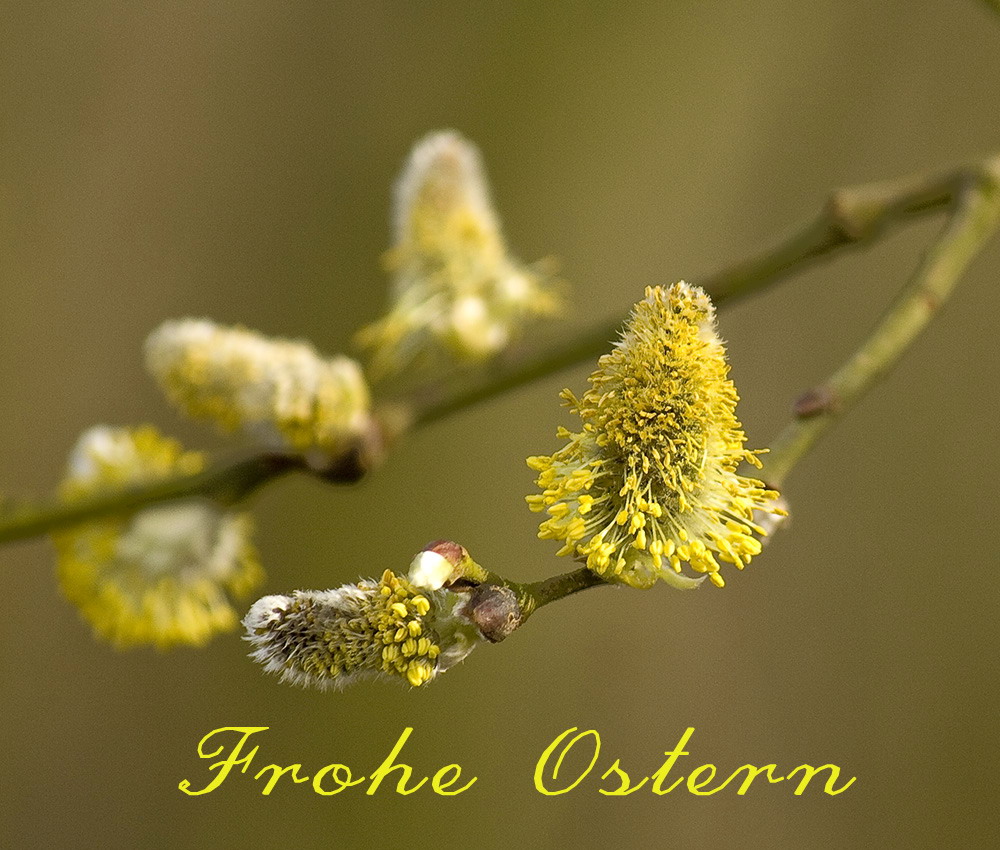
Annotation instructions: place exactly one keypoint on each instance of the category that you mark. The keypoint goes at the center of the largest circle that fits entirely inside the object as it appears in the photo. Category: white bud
(429, 570)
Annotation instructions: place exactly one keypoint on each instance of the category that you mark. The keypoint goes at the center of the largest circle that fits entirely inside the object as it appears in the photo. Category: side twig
(976, 217)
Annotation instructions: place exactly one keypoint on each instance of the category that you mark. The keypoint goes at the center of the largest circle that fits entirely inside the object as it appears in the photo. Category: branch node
(495, 611)
(849, 218)
(931, 300)
(814, 402)
(356, 460)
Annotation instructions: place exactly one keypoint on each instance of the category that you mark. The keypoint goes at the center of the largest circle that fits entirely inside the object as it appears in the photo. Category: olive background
(234, 160)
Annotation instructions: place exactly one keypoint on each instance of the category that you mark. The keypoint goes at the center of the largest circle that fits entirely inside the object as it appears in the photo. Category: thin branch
(227, 484)
(540, 593)
(976, 218)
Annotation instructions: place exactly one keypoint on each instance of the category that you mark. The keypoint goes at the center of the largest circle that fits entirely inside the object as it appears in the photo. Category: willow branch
(851, 218)
(498, 607)
(553, 589)
(976, 218)
(227, 484)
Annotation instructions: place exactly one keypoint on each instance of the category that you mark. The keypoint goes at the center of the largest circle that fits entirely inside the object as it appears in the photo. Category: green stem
(976, 218)
(227, 484)
(540, 593)
(498, 606)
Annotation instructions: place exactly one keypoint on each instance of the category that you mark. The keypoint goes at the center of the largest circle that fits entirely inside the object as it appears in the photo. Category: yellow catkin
(457, 293)
(650, 481)
(167, 574)
(279, 391)
(331, 638)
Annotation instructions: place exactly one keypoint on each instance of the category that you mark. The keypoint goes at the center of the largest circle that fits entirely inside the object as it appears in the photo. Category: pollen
(650, 482)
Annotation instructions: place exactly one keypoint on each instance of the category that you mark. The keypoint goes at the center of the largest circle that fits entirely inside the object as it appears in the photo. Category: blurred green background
(233, 160)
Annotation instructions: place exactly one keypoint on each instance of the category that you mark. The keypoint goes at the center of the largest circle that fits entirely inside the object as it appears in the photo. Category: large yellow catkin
(649, 483)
